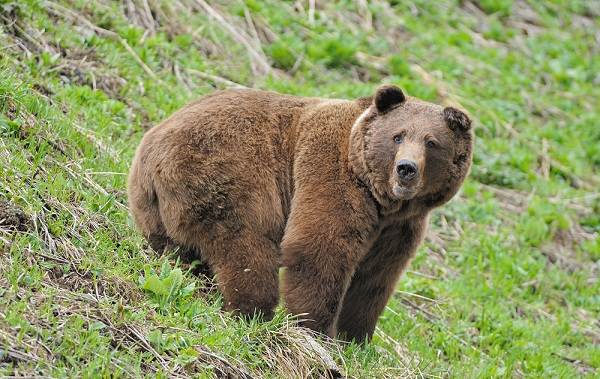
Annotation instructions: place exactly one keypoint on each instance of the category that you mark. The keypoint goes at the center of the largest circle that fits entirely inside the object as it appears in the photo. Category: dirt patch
(144, 15)
(562, 250)
(100, 287)
(12, 217)
(75, 66)
(87, 74)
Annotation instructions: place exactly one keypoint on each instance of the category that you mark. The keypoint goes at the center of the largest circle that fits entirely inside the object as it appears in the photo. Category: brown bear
(337, 192)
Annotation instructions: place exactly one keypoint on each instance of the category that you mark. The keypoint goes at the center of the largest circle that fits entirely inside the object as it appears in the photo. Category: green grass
(506, 284)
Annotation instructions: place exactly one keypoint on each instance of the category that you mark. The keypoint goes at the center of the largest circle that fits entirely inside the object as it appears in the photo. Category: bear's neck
(356, 155)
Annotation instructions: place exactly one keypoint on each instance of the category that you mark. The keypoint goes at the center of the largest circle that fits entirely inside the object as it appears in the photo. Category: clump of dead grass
(12, 217)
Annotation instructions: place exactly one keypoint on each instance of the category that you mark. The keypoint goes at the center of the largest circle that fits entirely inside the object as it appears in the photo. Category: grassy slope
(505, 285)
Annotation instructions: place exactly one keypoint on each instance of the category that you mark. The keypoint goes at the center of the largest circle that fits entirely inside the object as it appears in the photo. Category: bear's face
(414, 149)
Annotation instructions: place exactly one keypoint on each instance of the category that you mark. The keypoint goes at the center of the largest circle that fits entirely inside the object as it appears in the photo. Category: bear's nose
(407, 170)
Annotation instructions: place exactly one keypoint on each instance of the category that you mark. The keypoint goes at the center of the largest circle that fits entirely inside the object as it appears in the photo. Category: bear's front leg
(321, 250)
(375, 280)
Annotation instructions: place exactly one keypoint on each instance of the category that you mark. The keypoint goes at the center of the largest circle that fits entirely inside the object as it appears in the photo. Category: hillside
(506, 284)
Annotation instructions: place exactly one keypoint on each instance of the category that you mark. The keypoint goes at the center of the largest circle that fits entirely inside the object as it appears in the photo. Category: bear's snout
(407, 170)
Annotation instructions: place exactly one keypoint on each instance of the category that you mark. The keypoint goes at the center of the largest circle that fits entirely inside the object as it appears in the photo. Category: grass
(506, 284)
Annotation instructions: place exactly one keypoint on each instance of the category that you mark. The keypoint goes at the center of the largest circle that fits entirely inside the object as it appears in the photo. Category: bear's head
(407, 149)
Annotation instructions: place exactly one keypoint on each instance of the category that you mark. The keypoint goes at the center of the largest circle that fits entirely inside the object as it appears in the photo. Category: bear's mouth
(403, 193)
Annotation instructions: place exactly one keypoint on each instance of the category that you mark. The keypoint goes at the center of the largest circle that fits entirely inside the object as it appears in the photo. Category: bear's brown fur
(336, 191)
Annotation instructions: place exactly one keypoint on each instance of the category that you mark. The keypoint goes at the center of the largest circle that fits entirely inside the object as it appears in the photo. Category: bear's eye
(398, 139)
(431, 143)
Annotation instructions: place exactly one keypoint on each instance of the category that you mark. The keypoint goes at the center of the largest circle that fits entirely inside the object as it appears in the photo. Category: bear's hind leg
(230, 217)
(243, 260)
(247, 273)
(143, 204)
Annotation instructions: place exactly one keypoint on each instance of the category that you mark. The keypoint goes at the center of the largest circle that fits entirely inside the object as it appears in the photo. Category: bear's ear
(387, 96)
(456, 119)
